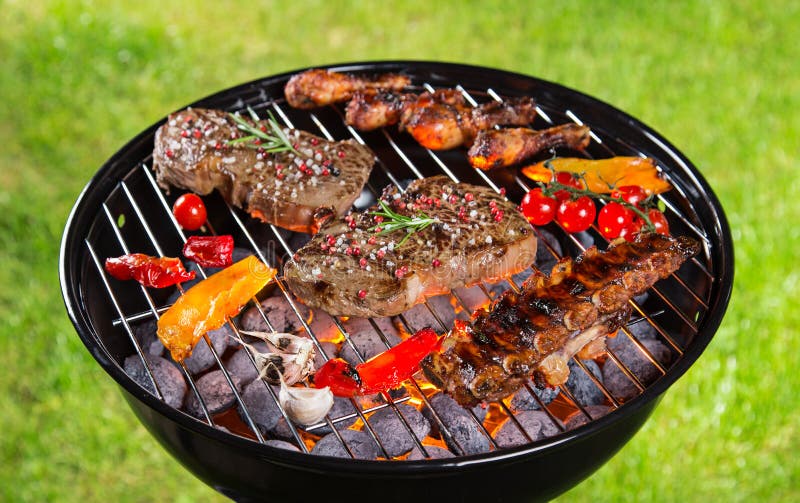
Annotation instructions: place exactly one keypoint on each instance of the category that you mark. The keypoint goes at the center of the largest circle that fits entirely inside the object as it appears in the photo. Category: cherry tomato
(538, 208)
(612, 218)
(659, 221)
(189, 211)
(565, 178)
(632, 194)
(630, 231)
(576, 215)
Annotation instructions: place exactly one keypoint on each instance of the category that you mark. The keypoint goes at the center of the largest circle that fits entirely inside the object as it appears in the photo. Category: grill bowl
(247, 470)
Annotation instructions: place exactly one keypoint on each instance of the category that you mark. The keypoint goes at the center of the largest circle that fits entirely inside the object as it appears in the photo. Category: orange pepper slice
(206, 305)
(617, 171)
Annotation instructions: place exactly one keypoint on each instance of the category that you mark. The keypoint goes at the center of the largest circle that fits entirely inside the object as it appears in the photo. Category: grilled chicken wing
(439, 120)
(504, 147)
(316, 88)
(539, 329)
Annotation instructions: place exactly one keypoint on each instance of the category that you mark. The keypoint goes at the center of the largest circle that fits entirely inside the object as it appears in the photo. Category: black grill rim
(72, 259)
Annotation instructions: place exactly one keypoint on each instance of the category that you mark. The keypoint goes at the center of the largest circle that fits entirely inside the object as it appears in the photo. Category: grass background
(719, 79)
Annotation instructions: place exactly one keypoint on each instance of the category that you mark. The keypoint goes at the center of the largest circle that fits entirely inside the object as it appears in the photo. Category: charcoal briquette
(361, 444)
(261, 406)
(145, 333)
(366, 340)
(463, 432)
(241, 365)
(282, 444)
(537, 425)
(585, 391)
(419, 316)
(523, 400)
(201, 358)
(619, 384)
(578, 418)
(433, 453)
(279, 313)
(393, 434)
(169, 378)
(217, 394)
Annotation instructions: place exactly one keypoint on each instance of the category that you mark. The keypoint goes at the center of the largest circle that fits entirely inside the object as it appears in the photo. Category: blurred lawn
(720, 81)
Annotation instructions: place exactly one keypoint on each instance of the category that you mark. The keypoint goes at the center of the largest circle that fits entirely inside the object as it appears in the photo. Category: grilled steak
(353, 268)
(283, 188)
(539, 329)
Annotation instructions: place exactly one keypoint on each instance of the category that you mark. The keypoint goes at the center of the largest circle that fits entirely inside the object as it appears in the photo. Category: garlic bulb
(283, 342)
(305, 406)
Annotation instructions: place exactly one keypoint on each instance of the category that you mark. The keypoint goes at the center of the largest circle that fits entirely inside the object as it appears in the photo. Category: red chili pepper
(380, 373)
(150, 271)
(209, 251)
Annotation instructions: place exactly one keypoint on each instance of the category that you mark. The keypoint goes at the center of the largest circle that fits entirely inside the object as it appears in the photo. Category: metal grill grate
(680, 305)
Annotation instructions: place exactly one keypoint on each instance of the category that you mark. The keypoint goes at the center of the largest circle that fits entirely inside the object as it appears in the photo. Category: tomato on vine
(612, 218)
(538, 208)
(631, 194)
(659, 221)
(576, 215)
(189, 211)
(569, 180)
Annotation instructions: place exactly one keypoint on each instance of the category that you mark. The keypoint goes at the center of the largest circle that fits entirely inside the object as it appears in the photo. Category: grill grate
(683, 304)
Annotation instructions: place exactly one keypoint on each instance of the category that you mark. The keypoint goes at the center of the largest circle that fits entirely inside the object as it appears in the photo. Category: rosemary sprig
(554, 186)
(272, 143)
(393, 221)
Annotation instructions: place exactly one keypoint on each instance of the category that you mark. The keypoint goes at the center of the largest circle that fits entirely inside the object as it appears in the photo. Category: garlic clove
(283, 342)
(305, 406)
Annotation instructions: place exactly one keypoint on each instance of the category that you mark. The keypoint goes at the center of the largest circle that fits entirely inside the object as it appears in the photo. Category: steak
(286, 189)
(464, 234)
(538, 330)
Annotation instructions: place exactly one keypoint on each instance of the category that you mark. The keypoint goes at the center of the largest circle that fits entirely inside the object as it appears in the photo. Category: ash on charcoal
(640, 330)
(282, 444)
(330, 350)
(201, 358)
(617, 383)
(261, 406)
(578, 418)
(464, 433)
(433, 453)
(472, 298)
(169, 378)
(366, 339)
(361, 444)
(536, 423)
(145, 334)
(585, 391)
(240, 365)
(279, 313)
(216, 393)
(341, 407)
(419, 316)
(523, 400)
(393, 434)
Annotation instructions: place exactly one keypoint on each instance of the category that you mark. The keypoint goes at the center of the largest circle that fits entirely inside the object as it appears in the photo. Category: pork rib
(540, 328)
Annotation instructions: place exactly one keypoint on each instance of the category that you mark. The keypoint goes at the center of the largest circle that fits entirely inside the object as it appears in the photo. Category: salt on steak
(538, 330)
(192, 152)
(462, 235)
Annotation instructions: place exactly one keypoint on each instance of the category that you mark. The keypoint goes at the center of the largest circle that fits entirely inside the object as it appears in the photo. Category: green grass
(720, 81)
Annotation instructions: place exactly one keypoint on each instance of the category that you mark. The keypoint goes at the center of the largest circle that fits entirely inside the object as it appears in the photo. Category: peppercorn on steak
(280, 175)
(434, 236)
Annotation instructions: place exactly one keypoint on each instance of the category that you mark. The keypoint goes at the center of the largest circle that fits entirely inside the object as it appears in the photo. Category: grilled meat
(439, 120)
(504, 147)
(282, 188)
(473, 234)
(539, 329)
(316, 88)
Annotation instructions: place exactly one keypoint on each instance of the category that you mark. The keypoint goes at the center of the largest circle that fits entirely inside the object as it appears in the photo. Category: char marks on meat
(438, 120)
(348, 268)
(316, 88)
(282, 188)
(552, 318)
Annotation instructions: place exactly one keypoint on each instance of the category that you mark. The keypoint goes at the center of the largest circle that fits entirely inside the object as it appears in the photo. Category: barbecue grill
(122, 210)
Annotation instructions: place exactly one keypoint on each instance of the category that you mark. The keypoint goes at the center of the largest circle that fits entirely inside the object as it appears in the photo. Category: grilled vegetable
(305, 406)
(293, 359)
(207, 304)
(602, 175)
(150, 271)
(209, 251)
(380, 373)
